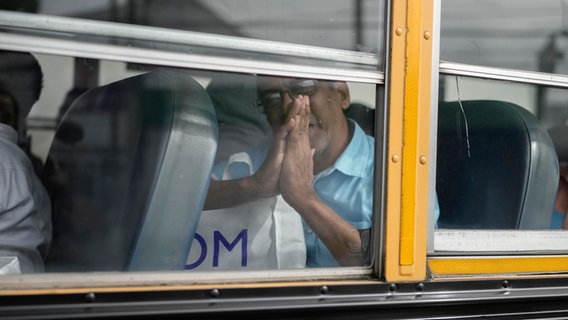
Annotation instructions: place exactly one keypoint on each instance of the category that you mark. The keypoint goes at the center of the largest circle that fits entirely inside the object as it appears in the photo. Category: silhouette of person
(21, 75)
(25, 210)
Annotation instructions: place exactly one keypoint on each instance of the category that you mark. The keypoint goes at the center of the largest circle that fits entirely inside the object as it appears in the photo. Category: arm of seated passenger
(24, 224)
(342, 239)
(436, 212)
(228, 191)
(561, 202)
(28, 261)
(235, 182)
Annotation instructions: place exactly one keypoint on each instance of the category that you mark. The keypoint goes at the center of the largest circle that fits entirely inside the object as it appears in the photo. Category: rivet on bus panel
(427, 35)
(324, 290)
(392, 287)
(398, 31)
(395, 158)
(90, 297)
(423, 160)
(215, 293)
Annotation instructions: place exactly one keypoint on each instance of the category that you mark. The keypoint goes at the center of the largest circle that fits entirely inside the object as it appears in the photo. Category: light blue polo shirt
(346, 187)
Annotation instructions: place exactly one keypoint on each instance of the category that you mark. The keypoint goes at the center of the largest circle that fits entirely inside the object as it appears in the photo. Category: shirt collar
(353, 160)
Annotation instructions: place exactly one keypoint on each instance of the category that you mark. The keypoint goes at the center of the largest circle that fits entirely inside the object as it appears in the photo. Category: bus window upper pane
(525, 35)
(353, 25)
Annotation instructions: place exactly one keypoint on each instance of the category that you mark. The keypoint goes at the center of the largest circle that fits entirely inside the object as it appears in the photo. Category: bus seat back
(496, 167)
(363, 115)
(131, 166)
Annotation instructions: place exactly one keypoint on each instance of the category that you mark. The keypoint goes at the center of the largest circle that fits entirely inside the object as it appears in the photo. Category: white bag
(261, 234)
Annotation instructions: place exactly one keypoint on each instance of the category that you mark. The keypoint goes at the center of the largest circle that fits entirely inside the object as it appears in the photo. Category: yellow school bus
(143, 105)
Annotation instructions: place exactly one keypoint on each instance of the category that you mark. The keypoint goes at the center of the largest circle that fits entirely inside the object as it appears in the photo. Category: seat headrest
(496, 167)
(132, 163)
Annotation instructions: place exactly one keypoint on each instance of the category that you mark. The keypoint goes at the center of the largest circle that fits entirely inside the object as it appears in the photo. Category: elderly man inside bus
(320, 162)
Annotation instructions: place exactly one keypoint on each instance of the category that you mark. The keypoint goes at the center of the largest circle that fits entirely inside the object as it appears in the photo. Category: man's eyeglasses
(272, 100)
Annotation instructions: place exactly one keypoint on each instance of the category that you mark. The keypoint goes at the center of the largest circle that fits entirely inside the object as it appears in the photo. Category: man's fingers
(293, 109)
(304, 119)
(285, 129)
(303, 123)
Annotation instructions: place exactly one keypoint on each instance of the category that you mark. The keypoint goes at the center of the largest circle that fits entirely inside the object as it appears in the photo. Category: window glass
(499, 152)
(353, 25)
(526, 35)
(126, 154)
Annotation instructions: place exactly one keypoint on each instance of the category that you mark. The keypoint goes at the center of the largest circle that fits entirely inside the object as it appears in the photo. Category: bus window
(348, 27)
(524, 35)
(129, 150)
(136, 124)
(497, 166)
(494, 64)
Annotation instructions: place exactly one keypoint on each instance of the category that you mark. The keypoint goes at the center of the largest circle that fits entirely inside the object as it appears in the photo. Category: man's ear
(344, 91)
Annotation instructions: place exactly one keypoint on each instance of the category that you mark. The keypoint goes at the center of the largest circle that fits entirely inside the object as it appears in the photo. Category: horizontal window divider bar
(529, 77)
(28, 21)
(73, 48)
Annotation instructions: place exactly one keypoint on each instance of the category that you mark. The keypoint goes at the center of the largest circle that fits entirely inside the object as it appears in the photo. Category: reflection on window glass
(497, 167)
(216, 167)
(349, 25)
(526, 35)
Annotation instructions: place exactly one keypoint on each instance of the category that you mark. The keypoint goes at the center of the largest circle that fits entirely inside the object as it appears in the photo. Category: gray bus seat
(132, 163)
(559, 136)
(363, 115)
(496, 170)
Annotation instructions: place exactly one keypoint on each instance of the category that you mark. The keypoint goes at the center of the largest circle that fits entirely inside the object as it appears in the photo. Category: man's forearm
(342, 239)
(230, 193)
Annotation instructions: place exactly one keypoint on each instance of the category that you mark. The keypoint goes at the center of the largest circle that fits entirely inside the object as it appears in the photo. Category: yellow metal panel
(409, 116)
(411, 120)
(394, 168)
(463, 266)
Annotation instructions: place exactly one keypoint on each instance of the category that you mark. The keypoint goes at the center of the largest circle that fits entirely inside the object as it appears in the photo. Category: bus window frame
(23, 37)
(473, 253)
